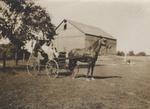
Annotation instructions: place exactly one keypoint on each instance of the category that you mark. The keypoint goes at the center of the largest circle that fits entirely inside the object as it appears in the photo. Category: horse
(86, 55)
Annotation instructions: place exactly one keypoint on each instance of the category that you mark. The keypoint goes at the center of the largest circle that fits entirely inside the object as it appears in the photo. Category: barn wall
(69, 39)
(89, 40)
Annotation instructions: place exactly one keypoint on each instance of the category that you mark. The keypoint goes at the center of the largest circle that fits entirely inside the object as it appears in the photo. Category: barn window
(65, 24)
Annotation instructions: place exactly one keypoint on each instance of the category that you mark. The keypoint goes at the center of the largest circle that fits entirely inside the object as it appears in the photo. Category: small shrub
(141, 54)
(120, 53)
(131, 53)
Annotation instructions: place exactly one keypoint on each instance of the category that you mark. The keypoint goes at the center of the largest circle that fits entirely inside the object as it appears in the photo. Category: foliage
(141, 54)
(120, 53)
(7, 49)
(21, 19)
(131, 53)
(6, 52)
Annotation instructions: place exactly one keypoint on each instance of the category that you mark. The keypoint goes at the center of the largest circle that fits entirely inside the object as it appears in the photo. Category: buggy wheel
(33, 66)
(52, 68)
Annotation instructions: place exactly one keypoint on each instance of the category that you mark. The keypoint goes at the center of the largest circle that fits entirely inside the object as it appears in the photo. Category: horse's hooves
(87, 79)
(73, 77)
(92, 79)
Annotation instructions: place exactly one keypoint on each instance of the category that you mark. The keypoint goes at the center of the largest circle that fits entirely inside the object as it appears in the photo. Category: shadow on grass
(64, 74)
(98, 77)
(86, 65)
(13, 70)
(24, 68)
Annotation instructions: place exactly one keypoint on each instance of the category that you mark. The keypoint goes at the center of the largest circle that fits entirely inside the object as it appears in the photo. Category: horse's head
(103, 42)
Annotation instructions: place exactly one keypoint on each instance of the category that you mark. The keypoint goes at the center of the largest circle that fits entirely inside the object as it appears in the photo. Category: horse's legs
(75, 72)
(92, 71)
(89, 67)
(73, 66)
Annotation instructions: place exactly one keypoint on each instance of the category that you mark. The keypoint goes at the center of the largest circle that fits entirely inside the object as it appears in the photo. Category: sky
(126, 20)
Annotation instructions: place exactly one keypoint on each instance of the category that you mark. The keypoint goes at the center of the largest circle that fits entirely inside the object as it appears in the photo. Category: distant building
(72, 34)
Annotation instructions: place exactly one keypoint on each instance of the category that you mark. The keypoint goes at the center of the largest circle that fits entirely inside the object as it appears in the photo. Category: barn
(72, 34)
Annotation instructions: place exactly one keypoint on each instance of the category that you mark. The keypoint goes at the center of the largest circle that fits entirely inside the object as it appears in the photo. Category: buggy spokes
(52, 68)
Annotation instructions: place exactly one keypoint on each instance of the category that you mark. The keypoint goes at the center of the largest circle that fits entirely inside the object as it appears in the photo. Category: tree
(6, 51)
(131, 53)
(120, 53)
(21, 19)
(141, 54)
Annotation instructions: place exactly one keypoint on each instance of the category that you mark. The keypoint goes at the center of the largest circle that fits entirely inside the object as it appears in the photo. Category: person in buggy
(46, 52)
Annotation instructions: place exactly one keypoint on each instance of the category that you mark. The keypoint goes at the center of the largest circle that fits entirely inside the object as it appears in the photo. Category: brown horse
(87, 55)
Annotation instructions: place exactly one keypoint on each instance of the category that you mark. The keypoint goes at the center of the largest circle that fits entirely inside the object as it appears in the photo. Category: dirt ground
(116, 86)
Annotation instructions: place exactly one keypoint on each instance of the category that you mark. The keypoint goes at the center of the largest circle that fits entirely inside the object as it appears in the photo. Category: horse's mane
(94, 45)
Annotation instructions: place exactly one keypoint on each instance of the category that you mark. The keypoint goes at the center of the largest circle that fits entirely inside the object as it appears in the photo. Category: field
(117, 85)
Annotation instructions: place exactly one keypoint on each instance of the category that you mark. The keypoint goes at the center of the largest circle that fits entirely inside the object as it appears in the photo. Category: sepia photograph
(74, 54)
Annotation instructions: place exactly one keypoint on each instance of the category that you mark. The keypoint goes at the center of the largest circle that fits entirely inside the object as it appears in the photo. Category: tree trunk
(16, 58)
(23, 57)
(4, 59)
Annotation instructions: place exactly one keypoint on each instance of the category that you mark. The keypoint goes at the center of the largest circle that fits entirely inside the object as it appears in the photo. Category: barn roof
(88, 29)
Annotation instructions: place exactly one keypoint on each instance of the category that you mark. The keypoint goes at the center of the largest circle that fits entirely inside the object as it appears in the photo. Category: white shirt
(48, 50)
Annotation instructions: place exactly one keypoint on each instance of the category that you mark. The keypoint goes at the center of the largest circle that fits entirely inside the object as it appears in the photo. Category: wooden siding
(69, 39)
(72, 37)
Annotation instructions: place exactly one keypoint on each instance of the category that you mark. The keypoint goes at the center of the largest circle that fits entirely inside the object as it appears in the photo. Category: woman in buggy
(46, 52)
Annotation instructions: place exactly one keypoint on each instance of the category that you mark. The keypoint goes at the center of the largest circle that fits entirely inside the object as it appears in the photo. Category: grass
(116, 86)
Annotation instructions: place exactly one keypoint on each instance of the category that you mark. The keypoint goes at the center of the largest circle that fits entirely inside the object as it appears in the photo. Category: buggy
(52, 67)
